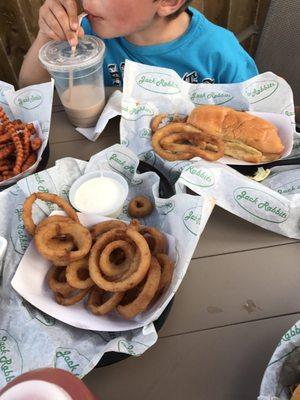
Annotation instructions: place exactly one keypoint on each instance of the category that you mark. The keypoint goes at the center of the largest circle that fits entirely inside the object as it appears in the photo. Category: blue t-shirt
(204, 53)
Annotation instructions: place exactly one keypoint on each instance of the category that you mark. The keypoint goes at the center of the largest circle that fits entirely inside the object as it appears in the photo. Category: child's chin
(104, 32)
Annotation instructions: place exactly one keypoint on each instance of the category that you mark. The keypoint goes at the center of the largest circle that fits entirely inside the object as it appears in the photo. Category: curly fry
(6, 150)
(6, 137)
(31, 159)
(31, 128)
(36, 143)
(8, 174)
(19, 149)
(3, 162)
(15, 138)
(3, 117)
(18, 125)
(5, 169)
(8, 166)
(26, 142)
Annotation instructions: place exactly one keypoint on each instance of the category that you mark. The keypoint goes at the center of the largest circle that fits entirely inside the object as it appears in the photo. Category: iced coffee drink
(78, 78)
(83, 104)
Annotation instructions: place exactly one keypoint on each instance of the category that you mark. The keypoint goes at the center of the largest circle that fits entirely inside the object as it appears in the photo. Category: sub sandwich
(246, 137)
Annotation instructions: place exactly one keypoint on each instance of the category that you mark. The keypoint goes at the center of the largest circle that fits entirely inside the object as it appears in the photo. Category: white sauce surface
(99, 195)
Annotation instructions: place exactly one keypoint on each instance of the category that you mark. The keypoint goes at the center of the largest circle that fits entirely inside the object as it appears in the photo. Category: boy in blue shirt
(164, 33)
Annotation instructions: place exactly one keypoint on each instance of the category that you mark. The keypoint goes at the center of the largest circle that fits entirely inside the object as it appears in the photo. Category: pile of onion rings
(19, 143)
(178, 140)
(115, 266)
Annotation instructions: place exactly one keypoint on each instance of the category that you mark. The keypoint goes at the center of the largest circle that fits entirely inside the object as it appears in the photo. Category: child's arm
(32, 71)
(57, 21)
(234, 64)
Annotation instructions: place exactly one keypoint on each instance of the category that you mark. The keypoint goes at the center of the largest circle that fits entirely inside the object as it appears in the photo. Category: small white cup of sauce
(99, 192)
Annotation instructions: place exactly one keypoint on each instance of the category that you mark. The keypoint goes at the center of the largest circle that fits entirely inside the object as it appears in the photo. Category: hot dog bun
(246, 136)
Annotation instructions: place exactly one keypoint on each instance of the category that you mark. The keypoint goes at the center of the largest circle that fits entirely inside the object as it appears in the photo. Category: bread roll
(246, 136)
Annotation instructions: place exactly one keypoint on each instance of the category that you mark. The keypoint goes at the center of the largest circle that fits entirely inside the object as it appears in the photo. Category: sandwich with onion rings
(211, 131)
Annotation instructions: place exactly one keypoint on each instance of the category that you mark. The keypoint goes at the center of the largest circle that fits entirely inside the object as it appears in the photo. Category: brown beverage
(83, 104)
(78, 76)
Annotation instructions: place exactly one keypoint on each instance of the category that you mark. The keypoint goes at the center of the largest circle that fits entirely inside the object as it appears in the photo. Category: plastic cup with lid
(78, 77)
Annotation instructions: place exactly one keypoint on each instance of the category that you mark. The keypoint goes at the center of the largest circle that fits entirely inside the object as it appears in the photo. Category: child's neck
(162, 30)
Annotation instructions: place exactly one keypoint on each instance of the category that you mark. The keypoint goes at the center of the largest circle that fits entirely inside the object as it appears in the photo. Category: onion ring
(165, 131)
(53, 198)
(157, 120)
(140, 206)
(73, 274)
(117, 256)
(156, 240)
(105, 226)
(142, 267)
(186, 152)
(57, 282)
(81, 237)
(53, 218)
(146, 295)
(112, 269)
(73, 298)
(96, 304)
(181, 138)
(167, 269)
(59, 242)
(135, 224)
(211, 150)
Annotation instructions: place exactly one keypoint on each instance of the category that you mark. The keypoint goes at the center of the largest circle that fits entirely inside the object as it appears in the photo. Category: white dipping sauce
(99, 195)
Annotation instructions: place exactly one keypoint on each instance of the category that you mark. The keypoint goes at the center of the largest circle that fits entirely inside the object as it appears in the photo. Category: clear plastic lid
(58, 56)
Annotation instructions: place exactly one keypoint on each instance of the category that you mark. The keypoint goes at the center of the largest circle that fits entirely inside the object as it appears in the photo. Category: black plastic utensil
(251, 169)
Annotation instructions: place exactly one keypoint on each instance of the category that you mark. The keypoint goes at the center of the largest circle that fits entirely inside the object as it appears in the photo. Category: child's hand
(58, 21)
